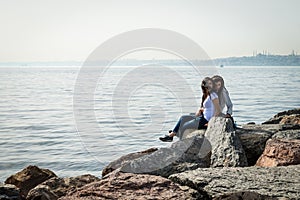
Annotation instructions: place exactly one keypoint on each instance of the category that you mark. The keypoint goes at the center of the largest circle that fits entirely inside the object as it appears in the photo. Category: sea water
(38, 125)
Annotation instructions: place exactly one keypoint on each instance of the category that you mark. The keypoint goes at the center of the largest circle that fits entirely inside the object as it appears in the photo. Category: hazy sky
(71, 30)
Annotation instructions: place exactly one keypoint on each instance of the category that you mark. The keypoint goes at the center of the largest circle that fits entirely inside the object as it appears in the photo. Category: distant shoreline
(257, 60)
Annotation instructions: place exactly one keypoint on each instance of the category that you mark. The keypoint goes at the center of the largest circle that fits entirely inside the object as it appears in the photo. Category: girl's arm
(228, 102)
(217, 107)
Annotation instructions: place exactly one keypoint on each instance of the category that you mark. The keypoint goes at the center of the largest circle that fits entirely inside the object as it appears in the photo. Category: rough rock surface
(280, 152)
(182, 155)
(133, 186)
(9, 192)
(287, 134)
(264, 128)
(291, 119)
(122, 160)
(28, 178)
(227, 150)
(279, 116)
(282, 181)
(56, 187)
(254, 138)
(244, 195)
(192, 132)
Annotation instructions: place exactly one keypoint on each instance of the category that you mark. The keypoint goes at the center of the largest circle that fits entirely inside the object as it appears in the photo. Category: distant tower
(293, 53)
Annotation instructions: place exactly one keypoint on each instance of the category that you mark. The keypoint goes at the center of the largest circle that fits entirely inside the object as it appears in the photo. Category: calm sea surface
(131, 110)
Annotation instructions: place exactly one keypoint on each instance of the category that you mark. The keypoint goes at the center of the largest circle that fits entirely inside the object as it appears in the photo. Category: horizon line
(162, 59)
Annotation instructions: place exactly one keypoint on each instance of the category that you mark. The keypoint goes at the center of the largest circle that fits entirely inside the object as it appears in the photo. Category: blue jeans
(189, 122)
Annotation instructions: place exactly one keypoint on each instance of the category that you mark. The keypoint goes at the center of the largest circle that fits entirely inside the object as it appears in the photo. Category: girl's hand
(199, 111)
(227, 115)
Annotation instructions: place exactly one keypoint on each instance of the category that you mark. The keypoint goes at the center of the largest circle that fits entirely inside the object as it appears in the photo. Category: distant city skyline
(40, 31)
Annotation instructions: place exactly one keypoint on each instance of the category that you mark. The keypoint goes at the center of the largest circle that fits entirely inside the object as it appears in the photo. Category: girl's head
(207, 85)
(218, 83)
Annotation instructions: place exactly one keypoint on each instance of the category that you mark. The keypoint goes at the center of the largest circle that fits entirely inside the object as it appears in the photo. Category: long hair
(205, 90)
(220, 93)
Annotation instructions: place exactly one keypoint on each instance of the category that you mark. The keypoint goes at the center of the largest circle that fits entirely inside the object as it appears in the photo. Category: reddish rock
(28, 178)
(290, 119)
(56, 187)
(132, 186)
(279, 116)
(280, 152)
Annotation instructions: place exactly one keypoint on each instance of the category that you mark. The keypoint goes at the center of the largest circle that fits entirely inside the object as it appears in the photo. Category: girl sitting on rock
(223, 95)
(209, 107)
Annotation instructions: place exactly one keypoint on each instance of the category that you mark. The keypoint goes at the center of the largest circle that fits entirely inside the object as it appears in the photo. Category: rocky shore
(256, 161)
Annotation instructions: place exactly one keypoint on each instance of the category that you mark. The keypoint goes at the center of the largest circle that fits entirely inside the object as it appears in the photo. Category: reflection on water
(38, 126)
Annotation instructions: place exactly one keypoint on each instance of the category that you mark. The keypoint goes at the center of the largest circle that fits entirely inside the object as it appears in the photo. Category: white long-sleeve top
(226, 105)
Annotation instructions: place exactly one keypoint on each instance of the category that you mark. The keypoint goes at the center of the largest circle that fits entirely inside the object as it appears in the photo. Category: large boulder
(280, 116)
(282, 181)
(28, 178)
(183, 155)
(122, 160)
(9, 192)
(254, 138)
(280, 152)
(55, 187)
(287, 134)
(265, 128)
(133, 186)
(192, 132)
(227, 150)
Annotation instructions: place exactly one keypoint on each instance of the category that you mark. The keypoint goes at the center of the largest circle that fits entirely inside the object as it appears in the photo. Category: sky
(35, 30)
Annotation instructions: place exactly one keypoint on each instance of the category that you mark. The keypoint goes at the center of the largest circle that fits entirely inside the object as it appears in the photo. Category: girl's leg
(202, 123)
(192, 124)
(182, 120)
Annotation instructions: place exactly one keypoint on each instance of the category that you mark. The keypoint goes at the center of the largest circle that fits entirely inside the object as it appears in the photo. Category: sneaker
(167, 138)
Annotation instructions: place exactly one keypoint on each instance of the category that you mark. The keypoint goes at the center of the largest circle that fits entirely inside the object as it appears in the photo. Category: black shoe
(167, 138)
